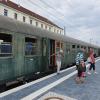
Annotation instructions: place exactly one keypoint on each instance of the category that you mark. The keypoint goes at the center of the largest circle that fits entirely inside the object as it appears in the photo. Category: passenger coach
(25, 50)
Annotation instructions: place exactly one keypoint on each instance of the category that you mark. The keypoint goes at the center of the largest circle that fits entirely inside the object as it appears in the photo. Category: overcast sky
(81, 18)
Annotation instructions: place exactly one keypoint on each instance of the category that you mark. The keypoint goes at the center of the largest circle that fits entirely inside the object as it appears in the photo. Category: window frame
(36, 45)
(73, 46)
(4, 44)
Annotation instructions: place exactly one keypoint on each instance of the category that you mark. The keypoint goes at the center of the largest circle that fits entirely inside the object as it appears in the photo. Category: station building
(17, 12)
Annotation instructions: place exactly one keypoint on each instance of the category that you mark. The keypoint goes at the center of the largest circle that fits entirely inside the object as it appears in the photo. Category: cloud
(80, 17)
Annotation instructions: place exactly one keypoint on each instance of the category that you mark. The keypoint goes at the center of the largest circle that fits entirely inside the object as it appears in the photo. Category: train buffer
(58, 87)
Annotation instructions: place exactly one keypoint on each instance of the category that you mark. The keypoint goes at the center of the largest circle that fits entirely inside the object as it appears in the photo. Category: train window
(5, 45)
(30, 46)
(78, 46)
(73, 46)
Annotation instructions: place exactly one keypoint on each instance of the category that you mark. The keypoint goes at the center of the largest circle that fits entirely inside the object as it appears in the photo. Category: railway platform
(58, 87)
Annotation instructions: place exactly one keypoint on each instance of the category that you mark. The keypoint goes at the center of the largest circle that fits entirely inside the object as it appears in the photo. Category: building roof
(8, 24)
(26, 11)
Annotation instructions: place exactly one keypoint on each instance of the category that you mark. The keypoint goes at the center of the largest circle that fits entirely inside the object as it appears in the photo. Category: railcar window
(30, 46)
(73, 46)
(5, 45)
(78, 46)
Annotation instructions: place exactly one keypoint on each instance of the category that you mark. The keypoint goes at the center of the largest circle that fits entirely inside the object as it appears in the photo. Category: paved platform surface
(61, 86)
(89, 90)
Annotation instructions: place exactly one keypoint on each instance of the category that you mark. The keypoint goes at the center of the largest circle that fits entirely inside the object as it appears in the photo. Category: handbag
(89, 59)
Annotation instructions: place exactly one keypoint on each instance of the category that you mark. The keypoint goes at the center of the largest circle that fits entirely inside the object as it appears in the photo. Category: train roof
(13, 25)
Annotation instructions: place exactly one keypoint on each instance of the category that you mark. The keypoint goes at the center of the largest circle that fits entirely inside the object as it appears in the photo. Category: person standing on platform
(59, 56)
(91, 61)
(80, 65)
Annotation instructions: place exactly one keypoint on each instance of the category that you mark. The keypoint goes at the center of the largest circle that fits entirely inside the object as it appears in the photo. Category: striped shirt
(79, 58)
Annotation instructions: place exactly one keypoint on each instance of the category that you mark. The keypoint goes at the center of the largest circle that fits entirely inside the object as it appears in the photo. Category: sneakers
(95, 73)
(89, 73)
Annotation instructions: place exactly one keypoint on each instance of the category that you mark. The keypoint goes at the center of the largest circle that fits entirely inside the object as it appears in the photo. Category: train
(25, 50)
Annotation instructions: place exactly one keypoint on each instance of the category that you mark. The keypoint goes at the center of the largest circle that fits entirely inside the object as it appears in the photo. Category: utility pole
(64, 30)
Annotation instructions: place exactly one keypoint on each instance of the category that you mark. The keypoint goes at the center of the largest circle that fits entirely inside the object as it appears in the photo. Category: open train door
(52, 62)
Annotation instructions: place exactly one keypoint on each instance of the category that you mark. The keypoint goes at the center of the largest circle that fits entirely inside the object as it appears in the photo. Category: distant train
(25, 50)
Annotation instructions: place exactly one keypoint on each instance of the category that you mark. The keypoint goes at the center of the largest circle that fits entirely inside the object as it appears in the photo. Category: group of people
(80, 63)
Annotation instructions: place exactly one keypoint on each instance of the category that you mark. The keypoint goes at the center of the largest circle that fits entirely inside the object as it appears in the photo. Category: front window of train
(30, 46)
(5, 45)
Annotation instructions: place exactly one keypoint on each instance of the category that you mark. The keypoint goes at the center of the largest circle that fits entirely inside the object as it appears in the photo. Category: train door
(59, 45)
(52, 62)
(44, 54)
